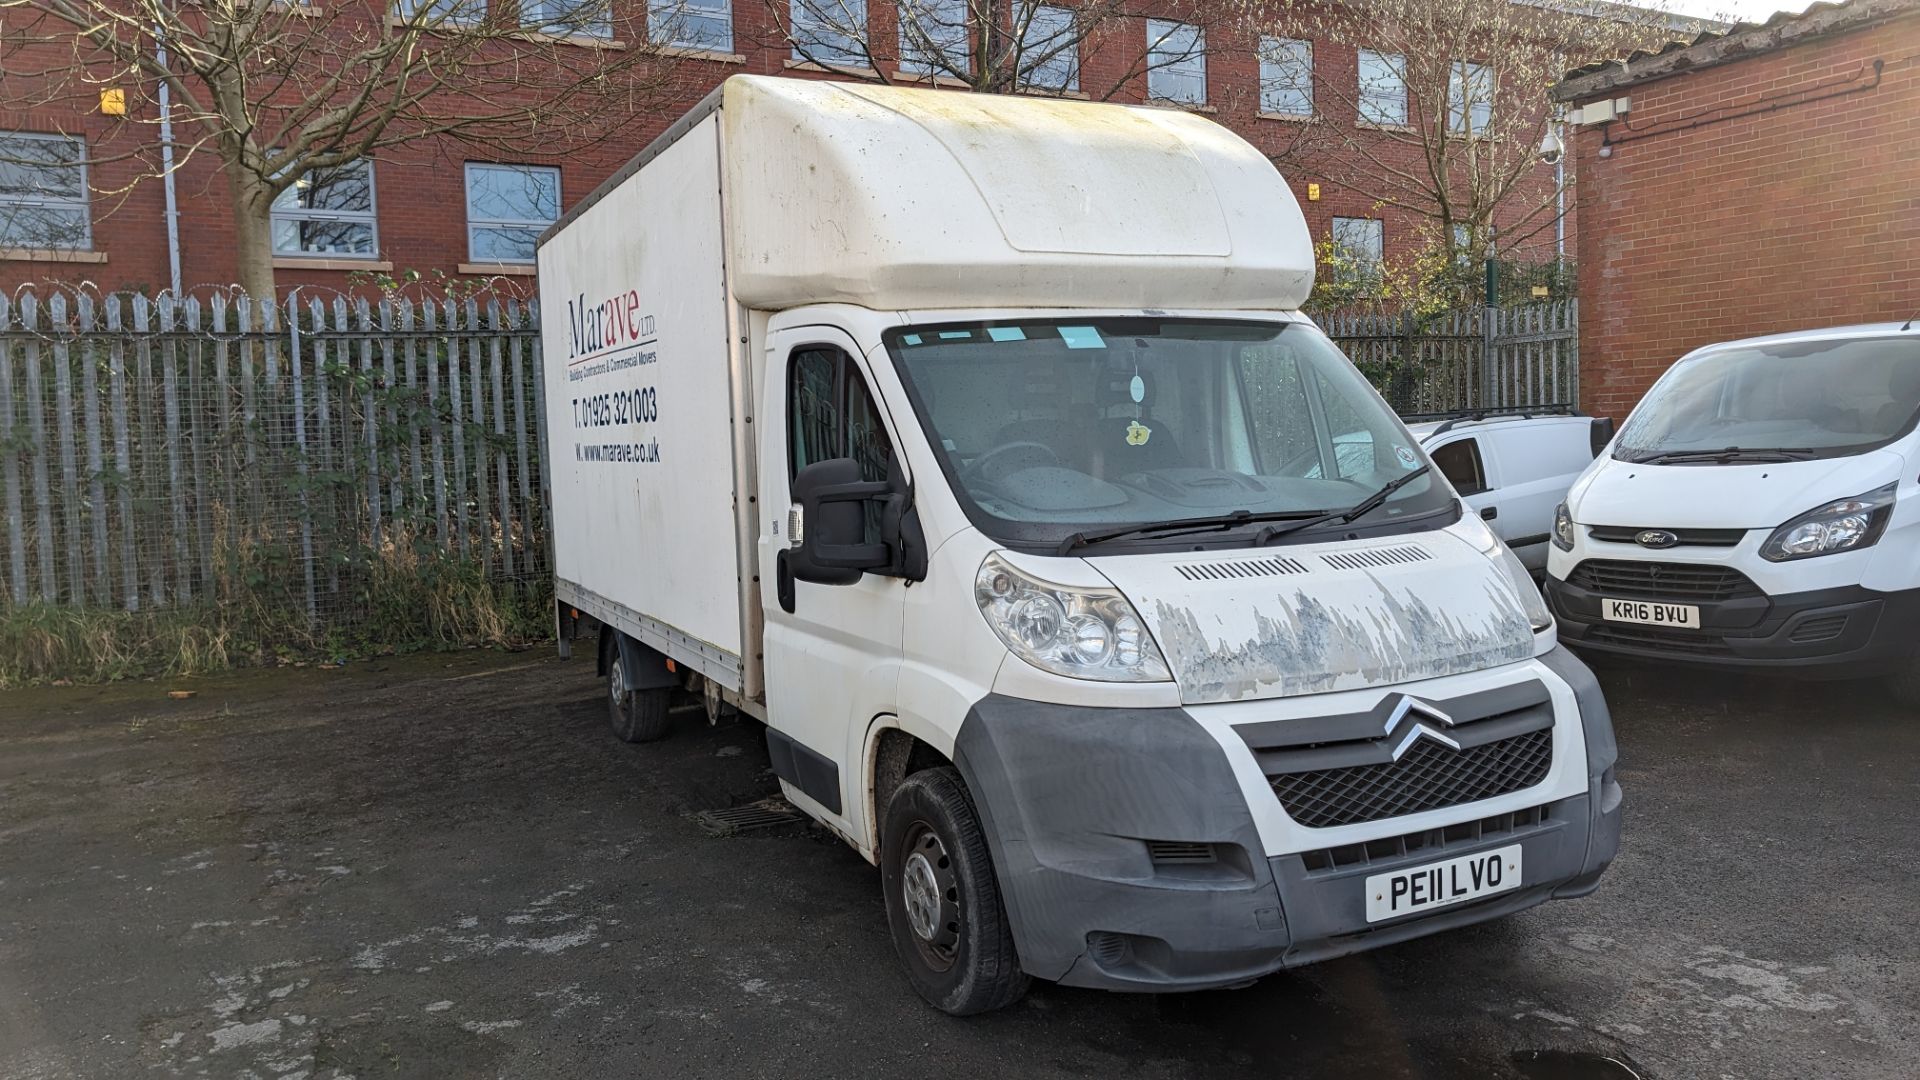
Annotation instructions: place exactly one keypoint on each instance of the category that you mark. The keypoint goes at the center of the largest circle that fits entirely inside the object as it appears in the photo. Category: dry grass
(388, 605)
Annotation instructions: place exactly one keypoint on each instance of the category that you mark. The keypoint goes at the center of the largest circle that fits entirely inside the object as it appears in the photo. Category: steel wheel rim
(616, 678)
(930, 897)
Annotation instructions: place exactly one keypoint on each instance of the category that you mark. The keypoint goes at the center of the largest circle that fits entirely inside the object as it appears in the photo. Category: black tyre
(636, 715)
(943, 902)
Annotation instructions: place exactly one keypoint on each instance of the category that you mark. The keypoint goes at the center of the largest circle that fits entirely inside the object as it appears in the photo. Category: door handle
(783, 581)
(1490, 513)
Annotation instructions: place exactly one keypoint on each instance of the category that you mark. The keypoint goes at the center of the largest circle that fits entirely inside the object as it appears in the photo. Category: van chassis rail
(716, 664)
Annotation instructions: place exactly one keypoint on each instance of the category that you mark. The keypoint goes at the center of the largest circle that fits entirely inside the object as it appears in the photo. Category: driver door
(831, 652)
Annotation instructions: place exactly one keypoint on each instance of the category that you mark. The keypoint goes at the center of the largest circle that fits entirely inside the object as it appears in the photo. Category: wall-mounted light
(113, 102)
(1313, 192)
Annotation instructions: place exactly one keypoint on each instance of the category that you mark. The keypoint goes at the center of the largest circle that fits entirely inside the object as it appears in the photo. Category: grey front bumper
(1071, 796)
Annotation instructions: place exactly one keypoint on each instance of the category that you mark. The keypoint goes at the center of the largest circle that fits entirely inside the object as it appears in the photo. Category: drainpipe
(166, 159)
(1560, 192)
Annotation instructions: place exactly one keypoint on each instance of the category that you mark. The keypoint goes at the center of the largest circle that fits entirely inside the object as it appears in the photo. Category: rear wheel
(943, 903)
(636, 715)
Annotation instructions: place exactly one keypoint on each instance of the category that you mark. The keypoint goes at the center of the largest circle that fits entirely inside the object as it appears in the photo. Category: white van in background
(1513, 466)
(1758, 510)
(977, 445)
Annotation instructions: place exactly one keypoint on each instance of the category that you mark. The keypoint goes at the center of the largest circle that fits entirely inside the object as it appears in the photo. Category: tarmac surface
(446, 866)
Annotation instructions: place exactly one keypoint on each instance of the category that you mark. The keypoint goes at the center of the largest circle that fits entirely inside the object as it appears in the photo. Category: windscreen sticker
(1081, 337)
(911, 339)
(1138, 433)
(956, 335)
(1406, 456)
(1006, 333)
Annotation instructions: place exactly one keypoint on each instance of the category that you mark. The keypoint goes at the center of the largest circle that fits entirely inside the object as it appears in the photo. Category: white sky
(1734, 10)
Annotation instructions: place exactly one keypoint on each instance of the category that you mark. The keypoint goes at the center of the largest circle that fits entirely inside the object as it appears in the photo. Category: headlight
(1535, 605)
(1562, 528)
(1841, 525)
(1079, 633)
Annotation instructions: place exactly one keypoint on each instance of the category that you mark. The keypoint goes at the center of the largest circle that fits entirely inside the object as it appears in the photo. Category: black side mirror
(1600, 433)
(828, 533)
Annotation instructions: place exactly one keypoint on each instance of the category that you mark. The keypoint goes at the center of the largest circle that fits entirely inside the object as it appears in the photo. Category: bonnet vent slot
(1374, 558)
(1246, 568)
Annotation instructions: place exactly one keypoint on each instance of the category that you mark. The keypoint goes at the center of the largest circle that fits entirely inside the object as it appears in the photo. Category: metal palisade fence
(296, 472)
(1465, 359)
(297, 468)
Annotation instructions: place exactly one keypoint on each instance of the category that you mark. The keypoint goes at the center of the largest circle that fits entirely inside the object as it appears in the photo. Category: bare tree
(1447, 114)
(294, 98)
(1097, 49)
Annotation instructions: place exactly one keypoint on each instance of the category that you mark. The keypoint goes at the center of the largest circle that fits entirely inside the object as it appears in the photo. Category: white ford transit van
(977, 445)
(1757, 510)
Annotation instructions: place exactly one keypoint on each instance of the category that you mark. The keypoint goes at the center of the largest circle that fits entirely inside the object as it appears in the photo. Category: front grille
(1697, 582)
(1428, 777)
(1692, 642)
(1624, 534)
(1176, 852)
(1432, 842)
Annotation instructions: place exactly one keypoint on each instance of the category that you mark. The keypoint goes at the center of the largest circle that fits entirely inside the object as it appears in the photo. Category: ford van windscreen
(1060, 429)
(1790, 401)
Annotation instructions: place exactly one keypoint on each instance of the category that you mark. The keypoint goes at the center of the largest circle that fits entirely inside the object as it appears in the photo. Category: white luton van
(1758, 511)
(977, 445)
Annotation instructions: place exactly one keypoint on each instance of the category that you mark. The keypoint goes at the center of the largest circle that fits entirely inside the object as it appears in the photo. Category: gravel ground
(446, 867)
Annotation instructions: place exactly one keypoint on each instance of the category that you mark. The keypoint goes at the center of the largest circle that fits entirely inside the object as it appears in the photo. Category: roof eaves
(1712, 48)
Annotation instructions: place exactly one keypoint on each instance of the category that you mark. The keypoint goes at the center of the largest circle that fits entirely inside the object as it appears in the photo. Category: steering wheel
(977, 468)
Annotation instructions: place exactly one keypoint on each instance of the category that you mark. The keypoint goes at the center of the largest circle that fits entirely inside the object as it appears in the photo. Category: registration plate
(1648, 611)
(1441, 884)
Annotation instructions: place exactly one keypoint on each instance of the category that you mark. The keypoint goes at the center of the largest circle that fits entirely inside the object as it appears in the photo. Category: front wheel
(943, 902)
(636, 715)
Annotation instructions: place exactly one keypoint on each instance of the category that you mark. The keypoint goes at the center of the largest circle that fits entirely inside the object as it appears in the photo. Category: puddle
(1572, 1065)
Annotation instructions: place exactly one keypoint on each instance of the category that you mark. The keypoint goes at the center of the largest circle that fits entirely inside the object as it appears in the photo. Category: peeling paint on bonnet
(1329, 623)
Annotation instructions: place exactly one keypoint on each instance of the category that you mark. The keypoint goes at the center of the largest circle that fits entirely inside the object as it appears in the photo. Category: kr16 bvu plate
(1651, 612)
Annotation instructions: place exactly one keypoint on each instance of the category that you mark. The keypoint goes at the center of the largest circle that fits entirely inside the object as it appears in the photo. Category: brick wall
(420, 192)
(1697, 228)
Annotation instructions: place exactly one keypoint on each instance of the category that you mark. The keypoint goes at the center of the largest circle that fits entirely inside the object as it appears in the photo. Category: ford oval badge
(1655, 538)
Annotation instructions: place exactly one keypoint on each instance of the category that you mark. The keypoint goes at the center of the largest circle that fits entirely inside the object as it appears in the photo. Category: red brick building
(419, 214)
(1760, 180)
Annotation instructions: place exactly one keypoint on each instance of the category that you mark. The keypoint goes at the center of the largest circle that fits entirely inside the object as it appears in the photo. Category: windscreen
(1049, 427)
(1802, 399)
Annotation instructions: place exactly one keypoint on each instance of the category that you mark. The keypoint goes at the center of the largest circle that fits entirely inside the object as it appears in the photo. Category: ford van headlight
(1841, 525)
(1079, 633)
(1562, 528)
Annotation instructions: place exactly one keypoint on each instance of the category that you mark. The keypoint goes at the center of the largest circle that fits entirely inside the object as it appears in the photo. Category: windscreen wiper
(1731, 453)
(1180, 526)
(1358, 510)
(1295, 520)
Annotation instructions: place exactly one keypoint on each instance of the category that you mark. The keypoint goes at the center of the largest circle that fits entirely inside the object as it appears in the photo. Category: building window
(328, 212)
(1383, 88)
(1176, 62)
(433, 12)
(1050, 49)
(568, 18)
(830, 31)
(508, 206)
(1286, 76)
(1470, 98)
(43, 192)
(1362, 244)
(691, 24)
(934, 37)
